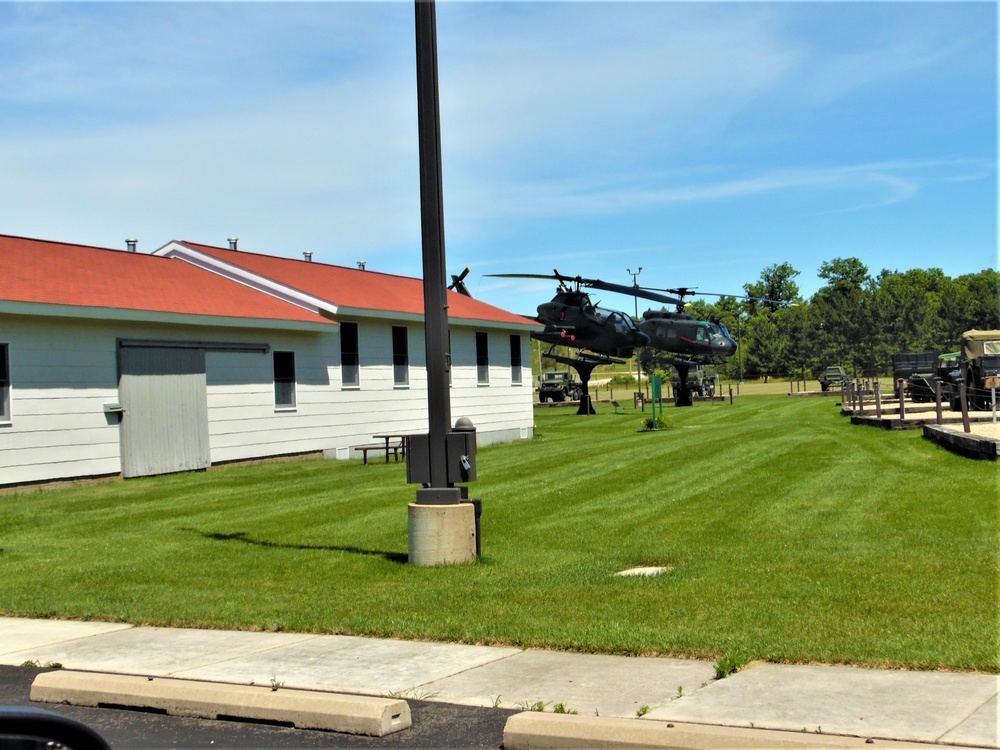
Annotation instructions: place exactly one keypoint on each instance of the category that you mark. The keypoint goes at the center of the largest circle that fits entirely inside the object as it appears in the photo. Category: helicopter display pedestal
(441, 534)
(584, 365)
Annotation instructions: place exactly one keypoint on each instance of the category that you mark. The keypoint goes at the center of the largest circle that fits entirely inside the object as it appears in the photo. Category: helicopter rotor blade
(526, 276)
(693, 292)
(634, 291)
(458, 282)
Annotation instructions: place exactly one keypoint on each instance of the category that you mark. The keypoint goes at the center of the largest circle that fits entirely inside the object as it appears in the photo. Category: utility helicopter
(680, 333)
(571, 319)
(601, 335)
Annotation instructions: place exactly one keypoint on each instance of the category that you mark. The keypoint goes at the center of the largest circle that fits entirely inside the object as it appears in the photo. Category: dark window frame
(350, 355)
(400, 357)
(516, 361)
(4, 382)
(482, 358)
(283, 364)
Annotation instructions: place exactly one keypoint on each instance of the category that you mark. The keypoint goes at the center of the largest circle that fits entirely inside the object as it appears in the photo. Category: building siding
(64, 371)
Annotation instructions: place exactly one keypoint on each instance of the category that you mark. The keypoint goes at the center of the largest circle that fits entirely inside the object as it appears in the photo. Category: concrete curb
(534, 730)
(351, 714)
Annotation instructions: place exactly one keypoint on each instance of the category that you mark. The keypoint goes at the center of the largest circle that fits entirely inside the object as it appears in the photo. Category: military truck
(833, 376)
(559, 385)
(921, 385)
(906, 364)
(979, 365)
(699, 381)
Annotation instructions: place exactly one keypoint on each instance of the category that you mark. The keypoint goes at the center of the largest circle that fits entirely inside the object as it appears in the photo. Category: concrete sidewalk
(927, 707)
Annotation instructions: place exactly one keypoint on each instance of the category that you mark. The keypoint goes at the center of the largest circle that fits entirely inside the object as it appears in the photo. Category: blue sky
(701, 141)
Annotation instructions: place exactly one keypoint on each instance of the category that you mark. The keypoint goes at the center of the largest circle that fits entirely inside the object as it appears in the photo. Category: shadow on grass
(241, 536)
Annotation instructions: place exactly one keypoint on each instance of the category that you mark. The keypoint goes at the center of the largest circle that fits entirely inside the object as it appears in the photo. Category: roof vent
(130, 244)
(308, 256)
(232, 242)
(361, 265)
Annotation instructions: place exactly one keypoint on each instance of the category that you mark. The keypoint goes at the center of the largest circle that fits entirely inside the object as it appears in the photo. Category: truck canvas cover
(979, 343)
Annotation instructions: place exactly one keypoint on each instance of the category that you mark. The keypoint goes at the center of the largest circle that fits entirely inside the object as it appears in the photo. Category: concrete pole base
(442, 534)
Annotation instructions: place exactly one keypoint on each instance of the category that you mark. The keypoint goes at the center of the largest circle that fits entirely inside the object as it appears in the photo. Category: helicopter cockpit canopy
(622, 323)
(718, 337)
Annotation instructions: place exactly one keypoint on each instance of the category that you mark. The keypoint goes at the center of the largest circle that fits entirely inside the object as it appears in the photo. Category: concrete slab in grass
(158, 651)
(912, 706)
(20, 636)
(534, 731)
(351, 664)
(353, 714)
(610, 685)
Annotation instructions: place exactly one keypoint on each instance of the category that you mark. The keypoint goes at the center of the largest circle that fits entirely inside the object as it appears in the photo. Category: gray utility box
(460, 454)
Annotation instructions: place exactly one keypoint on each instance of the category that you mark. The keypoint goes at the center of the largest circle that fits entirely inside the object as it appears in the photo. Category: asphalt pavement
(461, 694)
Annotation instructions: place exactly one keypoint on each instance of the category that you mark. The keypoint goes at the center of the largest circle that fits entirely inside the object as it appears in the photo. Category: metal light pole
(432, 234)
(441, 527)
(739, 336)
(638, 367)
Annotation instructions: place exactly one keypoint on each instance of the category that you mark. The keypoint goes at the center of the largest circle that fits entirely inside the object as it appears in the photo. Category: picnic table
(389, 447)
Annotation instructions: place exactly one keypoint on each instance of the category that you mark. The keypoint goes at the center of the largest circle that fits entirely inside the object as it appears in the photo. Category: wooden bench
(391, 448)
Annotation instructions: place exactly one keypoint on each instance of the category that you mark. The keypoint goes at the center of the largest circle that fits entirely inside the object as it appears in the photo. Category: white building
(113, 362)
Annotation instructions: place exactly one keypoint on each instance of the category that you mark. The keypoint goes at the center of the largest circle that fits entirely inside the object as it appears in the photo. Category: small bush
(623, 380)
(659, 423)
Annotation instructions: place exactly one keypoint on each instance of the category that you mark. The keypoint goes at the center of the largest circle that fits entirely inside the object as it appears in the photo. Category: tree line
(855, 320)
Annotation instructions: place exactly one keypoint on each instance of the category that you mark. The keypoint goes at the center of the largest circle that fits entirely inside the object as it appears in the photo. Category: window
(350, 376)
(400, 357)
(482, 358)
(515, 359)
(284, 380)
(4, 385)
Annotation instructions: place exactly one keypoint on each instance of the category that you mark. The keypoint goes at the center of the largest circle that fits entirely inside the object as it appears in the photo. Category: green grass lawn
(790, 536)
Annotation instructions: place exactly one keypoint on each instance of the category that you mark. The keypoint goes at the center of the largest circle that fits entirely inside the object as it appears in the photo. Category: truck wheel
(824, 386)
(559, 397)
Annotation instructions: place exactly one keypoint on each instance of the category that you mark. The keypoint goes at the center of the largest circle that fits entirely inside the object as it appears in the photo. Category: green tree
(845, 315)
(775, 288)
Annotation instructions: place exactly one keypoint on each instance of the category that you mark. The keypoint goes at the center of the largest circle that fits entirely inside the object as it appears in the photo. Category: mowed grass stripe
(788, 534)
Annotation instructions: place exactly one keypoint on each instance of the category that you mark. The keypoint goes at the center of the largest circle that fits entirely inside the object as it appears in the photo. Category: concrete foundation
(442, 534)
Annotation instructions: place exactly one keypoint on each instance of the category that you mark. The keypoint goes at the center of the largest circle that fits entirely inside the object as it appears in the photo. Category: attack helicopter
(602, 335)
(571, 319)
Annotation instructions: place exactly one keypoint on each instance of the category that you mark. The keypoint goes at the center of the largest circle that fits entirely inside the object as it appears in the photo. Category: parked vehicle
(559, 385)
(980, 363)
(907, 364)
(833, 376)
(699, 381)
(921, 385)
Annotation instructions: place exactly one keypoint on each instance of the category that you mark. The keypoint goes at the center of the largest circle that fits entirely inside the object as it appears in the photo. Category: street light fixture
(638, 367)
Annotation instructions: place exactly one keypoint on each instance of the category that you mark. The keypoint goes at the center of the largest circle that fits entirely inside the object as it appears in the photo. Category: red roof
(353, 288)
(58, 273)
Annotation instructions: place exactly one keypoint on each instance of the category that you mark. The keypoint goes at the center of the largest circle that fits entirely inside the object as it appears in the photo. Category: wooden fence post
(964, 398)
(937, 400)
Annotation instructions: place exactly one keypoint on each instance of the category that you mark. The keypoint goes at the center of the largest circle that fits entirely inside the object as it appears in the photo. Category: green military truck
(980, 366)
(832, 377)
(559, 385)
(907, 364)
(700, 382)
(921, 386)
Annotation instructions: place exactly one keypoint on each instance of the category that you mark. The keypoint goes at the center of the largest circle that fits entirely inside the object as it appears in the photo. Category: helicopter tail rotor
(458, 283)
